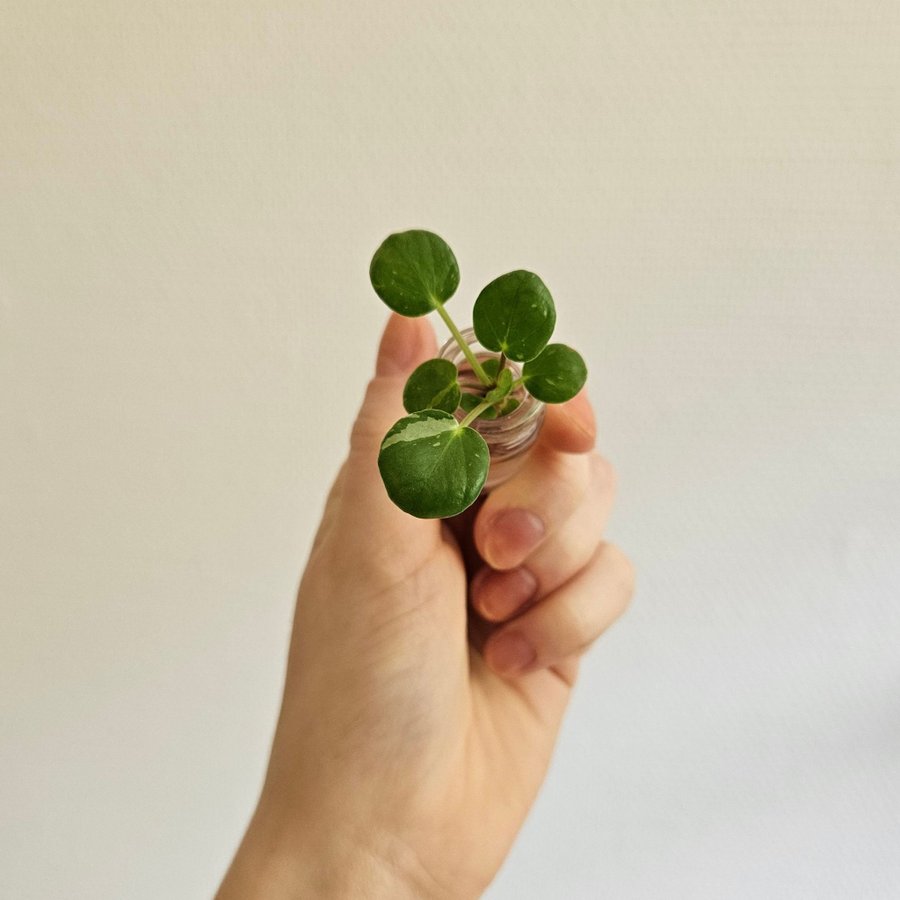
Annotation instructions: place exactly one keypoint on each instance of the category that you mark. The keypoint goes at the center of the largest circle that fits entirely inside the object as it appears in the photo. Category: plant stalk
(477, 368)
(472, 416)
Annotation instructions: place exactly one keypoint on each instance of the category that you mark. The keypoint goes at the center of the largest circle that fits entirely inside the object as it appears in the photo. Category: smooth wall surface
(189, 196)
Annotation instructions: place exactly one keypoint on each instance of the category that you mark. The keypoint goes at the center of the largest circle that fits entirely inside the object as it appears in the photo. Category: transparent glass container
(509, 437)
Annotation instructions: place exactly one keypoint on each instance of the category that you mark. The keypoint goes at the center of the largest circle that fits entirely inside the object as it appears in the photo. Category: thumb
(405, 344)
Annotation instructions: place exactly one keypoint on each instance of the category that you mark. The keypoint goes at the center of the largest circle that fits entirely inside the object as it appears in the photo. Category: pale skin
(430, 665)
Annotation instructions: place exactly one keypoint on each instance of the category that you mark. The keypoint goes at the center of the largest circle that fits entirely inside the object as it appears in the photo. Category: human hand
(430, 665)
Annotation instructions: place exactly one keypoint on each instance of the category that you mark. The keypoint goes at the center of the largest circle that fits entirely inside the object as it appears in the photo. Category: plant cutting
(433, 461)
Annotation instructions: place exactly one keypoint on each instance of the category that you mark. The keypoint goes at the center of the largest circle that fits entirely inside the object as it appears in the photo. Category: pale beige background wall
(189, 196)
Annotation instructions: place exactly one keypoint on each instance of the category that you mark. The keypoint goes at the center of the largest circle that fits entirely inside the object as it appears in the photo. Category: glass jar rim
(524, 415)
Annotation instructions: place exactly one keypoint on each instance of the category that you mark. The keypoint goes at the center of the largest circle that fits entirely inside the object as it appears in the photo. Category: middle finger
(521, 513)
(498, 595)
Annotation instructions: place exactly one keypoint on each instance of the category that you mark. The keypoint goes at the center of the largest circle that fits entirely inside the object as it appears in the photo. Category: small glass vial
(509, 437)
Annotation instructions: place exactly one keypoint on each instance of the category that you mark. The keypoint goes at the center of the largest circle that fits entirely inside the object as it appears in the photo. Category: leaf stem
(472, 416)
(466, 349)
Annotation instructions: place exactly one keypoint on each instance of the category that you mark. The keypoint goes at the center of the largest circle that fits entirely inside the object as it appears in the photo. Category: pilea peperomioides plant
(432, 462)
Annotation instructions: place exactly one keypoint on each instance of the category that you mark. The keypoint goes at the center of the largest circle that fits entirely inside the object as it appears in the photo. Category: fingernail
(512, 535)
(510, 653)
(500, 594)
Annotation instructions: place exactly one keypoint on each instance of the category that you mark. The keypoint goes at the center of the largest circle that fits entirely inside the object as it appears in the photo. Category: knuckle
(369, 427)
(573, 631)
(581, 626)
(570, 482)
(624, 569)
(362, 437)
(604, 473)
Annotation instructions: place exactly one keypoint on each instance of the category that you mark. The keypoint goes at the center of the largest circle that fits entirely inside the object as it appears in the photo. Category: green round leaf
(413, 271)
(469, 401)
(515, 315)
(504, 383)
(556, 375)
(508, 405)
(432, 385)
(432, 468)
(491, 366)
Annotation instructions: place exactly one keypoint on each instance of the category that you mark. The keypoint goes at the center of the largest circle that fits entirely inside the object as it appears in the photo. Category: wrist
(322, 862)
